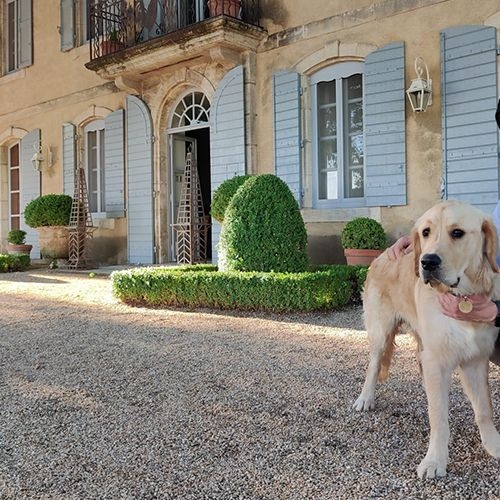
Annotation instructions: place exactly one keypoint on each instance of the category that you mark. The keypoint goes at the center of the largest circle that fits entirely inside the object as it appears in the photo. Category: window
(94, 163)
(14, 188)
(17, 40)
(338, 143)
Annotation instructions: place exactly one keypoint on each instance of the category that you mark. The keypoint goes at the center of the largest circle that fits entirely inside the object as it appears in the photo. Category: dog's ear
(490, 248)
(417, 250)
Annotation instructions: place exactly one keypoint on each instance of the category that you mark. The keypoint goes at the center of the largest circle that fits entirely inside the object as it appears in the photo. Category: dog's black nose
(430, 261)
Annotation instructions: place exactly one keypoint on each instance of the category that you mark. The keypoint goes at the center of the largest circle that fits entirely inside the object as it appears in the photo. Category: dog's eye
(456, 234)
(426, 232)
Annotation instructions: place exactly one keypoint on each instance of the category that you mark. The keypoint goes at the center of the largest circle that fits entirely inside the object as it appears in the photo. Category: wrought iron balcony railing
(118, 24)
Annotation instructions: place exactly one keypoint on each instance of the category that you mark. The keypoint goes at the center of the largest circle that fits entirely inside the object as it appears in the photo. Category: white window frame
(336, 72)
(95, 126)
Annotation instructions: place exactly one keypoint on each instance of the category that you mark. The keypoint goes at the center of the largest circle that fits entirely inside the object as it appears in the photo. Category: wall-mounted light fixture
(42, 156)
(420, 90)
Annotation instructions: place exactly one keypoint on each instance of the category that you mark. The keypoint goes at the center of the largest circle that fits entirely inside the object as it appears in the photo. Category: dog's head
(455, 248)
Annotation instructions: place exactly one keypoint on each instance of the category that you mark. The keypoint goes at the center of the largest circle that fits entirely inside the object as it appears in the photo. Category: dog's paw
(431, 468)
(364, 403)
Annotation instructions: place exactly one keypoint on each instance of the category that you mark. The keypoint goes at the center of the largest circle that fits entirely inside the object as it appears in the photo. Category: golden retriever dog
(455, 246)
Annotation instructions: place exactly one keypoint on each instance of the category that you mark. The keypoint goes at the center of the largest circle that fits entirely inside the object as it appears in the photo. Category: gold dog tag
(465, 305)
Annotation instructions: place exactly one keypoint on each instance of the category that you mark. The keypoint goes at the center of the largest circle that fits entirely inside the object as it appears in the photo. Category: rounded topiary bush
(48, 210)
(223, 195)
(263, 229)
(363, 233)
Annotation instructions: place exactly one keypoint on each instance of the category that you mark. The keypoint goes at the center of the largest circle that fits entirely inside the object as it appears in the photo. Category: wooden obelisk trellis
(192, 224)
(80, 224)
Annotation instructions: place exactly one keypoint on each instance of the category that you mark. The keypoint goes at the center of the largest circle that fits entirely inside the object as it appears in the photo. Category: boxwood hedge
(327, 287)
(10, 263)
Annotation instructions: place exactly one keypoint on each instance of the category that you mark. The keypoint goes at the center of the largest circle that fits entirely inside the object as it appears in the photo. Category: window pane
(326, 93)
(11, 36)
(14, 203)
(14, 179)
(102, 187)
(354, 143)
(328, 170)
(92, 170)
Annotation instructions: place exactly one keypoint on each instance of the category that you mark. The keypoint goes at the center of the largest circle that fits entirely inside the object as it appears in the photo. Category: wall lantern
(43, 155)
(420, 90)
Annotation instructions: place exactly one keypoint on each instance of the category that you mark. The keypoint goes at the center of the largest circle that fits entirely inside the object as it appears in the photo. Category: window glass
(338, 152)
(14, 188)
(94, 162)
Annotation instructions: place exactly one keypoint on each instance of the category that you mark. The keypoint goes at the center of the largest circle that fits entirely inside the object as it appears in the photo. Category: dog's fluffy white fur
(455, 248)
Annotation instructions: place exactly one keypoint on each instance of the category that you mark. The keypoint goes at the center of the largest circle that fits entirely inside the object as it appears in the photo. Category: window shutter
(67, 24)
(469, 99)
(227, 136)
(139, 182)
(29, 184)
(287, 131)
(25, 34)
(384, 123)
(69, 158)
(114, 151)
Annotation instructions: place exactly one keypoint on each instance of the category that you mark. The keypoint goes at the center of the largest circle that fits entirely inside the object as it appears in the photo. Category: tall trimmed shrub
(263, 229)
(223, 195)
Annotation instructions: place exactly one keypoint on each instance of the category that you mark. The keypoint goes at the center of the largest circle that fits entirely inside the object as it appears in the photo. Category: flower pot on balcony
(228, 7)
(110, 47)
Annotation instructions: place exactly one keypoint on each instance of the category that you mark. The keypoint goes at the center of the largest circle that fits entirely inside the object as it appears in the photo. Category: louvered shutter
(227, 136)
(25, 34)
(67, 28)
(287, 133)
(469, 99)
(384, 123)
(139, 182)
(69, 158)
(114, 172)
(29, 183)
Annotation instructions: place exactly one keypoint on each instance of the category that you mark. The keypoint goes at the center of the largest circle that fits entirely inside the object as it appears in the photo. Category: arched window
(338, 144)
(193, 109)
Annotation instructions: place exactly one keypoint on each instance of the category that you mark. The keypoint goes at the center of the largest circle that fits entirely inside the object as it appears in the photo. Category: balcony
(133, 38)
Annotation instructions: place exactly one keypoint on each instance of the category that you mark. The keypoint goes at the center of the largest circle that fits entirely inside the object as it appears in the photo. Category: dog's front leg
(437, 382)
(474, 377)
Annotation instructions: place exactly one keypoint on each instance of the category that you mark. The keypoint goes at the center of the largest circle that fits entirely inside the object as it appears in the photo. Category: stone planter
(360, 257)
(19, 249)
(54, 242)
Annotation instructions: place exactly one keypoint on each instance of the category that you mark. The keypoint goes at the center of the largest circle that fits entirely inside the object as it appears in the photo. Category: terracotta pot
(360, 257)
(229, 7)
(19, 249)
(54, 242)
(110, 47)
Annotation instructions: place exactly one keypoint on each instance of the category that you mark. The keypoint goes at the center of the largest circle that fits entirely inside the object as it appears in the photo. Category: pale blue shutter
(227, 136)
(384, 123)
(29, 183)
(139, 182)
(114, 172)
(469, 99)
(67, 28)
(69, 158)
(25, 34)
(287, 134)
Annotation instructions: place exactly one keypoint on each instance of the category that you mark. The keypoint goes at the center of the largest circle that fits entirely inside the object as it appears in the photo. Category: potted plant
(111, 44)
(228, 7)
(17, 242)
(50, 214)
(363, 240)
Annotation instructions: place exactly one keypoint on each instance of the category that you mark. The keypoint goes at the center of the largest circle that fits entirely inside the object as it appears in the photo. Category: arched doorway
(188, 132)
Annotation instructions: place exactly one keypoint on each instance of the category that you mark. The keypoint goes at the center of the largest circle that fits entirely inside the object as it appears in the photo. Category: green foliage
(329, 287)
(16, 237)
(363, 233)
(263, 228)
(48, 210)
(10, 263)
(223, 195)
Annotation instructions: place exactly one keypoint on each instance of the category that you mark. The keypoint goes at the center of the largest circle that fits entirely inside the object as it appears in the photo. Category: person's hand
(483, 309)
(402, 246)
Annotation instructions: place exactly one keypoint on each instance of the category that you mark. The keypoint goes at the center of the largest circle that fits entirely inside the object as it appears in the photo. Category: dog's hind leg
(381, 337)
(474, 378)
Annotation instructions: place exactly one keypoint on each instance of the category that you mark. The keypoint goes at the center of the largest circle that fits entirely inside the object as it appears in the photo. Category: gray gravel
(101, 400)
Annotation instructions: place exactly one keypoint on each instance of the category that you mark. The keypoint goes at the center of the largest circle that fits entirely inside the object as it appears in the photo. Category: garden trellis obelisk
(80, 224)
(192, 223)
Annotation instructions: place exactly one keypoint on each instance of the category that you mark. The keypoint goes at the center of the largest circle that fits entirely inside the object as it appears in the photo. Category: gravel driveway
(103, 401)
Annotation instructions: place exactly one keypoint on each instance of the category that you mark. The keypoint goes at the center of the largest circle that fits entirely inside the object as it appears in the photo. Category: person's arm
(484, 310)
(401, 247)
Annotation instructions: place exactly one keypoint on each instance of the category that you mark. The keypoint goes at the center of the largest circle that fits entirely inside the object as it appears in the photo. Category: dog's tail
(385, 361)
